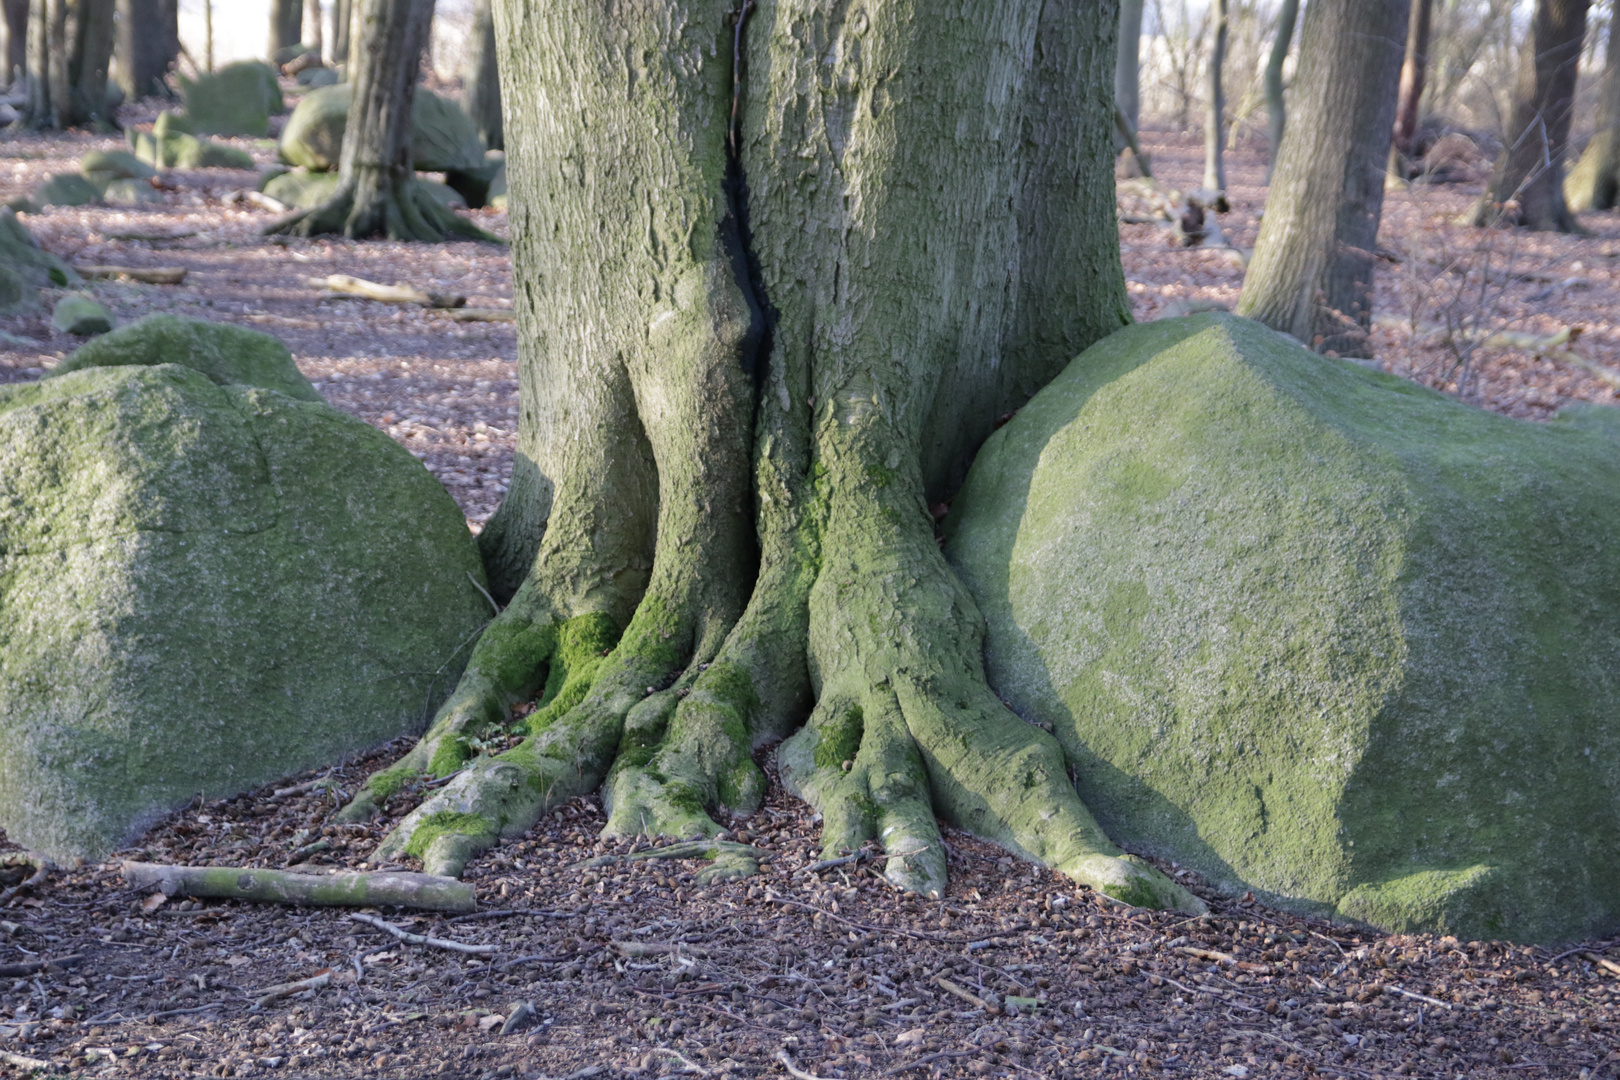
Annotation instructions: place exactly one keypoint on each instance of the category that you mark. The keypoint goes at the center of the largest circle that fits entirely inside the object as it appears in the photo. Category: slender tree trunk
(1311, 275)
(208, 34)
(16, 13)
(483, 99)
(313, 18)
(1128, 67)
(69, 50)
(1215, 117)
(90, 59)
(1527, 186)
(286, 24)
(1276, 108)
(1594, 183)
(1413, 68)
(148, 45)
(342, 18)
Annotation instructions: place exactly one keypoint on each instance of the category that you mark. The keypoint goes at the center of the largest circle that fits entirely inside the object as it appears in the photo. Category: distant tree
(312, 19)
(1215, 112)
(286, 24)
(1527, 186)
(482, 79)
(1311, 275)
(342, 22)
(148, 45)
(16, 15)
(70, 47)
(1128, 67)
(1276, 108)
(378, 194)
(1413, 68)
(1594, 183)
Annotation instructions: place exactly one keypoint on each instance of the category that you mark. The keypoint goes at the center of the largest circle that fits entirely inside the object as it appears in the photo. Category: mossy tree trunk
(1276, 107)
(1594, 183)
(1527, 185)
(776, 282)
(1215, 111)
(148, 45)
(482, 80)
(377, 193)
(70, 47)
(1311, 275)
(286, 24)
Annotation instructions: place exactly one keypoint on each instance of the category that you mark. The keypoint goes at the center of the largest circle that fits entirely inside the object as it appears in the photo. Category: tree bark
(1527, 186)
(313, 16)
(377, 194)
(1128, 67)
(1594, 183)
(776, 279)
(1413, 68)
(483, 77)
(208, 35)
(342, 19)
(16, 13)
(286, 24)
(148, 45)
(1215, 116)
(1311, 274)
(69, 50)
(1276, 107)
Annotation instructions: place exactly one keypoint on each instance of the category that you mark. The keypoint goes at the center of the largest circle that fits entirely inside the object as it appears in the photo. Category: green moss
(384, 783)
(840, 738)
(583, 643)
(447, 823)
(226, 354)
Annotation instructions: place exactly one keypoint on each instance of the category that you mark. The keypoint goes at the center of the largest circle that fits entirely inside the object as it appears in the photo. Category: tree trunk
(1276, 108)
(16, 12)
(1527, 186)
(377, 193)
(1311, 275)
(148, 45)
(313, 17)
(1215, 116)
(770, 302)
(482, 79)
(286, 24)
(69, 50)
(1128, 67)
(342, 18)
(1412, 72)
(208, 35)
(1594, 183)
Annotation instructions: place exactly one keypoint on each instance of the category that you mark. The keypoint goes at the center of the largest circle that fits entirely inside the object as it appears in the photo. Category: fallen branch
(1607, 965)
(382, 888)
(33, 967)
(969, 996)
(1419, 997)
(157, 275)
(829, 864)
(20, 1061)
(260, 199)
(41, 865)
(307, 785)
(423, 939)
(537, 958)
(318, 981)
(388, 294)
(483, 314)
(635, 950)
(793, 1070)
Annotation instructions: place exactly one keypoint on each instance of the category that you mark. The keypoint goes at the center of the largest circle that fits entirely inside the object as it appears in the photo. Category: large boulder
(443, 137)
(1313, 630)
(207, 585)
(238, 99)
(228, 355)
(25, 267)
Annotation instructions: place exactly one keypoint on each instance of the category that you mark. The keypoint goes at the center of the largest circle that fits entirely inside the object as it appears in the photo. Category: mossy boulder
(473, 185)
(238, 99)
(115, 165)
(130, 193)
(228, 355)
(304, 190)
(66, 189)
(442, 135)
(174, 149)
(25, 268)
(1313, 630)
(313, 78)
(205, 587)
(81, 317)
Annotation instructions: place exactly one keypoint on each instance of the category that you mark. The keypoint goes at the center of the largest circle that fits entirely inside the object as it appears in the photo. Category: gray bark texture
(1276, 107)
(1128, 67)
(314, 19)
(148, 45)
(1413, 68)
(1527, 186)
(1311, 274)
(16, 15)
(342, 20)
(778, 272)
(1215, 113)
(1594, 183)
(286, 24)
(70, 48)
(482, 79)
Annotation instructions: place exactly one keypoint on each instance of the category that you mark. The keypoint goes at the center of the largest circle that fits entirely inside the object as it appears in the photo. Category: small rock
(80, 316)
(130, 193)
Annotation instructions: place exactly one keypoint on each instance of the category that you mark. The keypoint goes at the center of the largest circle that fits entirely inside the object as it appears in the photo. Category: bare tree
(1128, 67)
(313, 16)
(1276, 108)
(1215, 107)
(482, 79)
(1413, 69)
(1311, 275)
(342, 22)
(70, 47)
(286, 24)
(148, 45)
(1594, 183)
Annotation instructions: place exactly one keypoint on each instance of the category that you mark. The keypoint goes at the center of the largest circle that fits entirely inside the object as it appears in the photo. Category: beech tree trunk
(342, 19)
(1311, 274)
(70, 47)
(377, 194)
(16, 13)
(286, 24)
(483, 98)
(775, 283)
(1276, 107)
(1527, 186)
(312, 19)
(148, 45)
(1594, 183)
(1215, 116)
(1128, 67)
(1413, 68)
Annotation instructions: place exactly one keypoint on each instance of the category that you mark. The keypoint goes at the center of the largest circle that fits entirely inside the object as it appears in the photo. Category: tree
(16, 13)
(286, 24)
(1215, 114)
(1594, 183)
(1128, 66)
(1412, 71)
(1276, 108)
(342, 20)
(377, 193)
(483, 100)
(70, 47)
(312, 18)
(1527, 185)
(148, 45)
(1311, 274)
(777, 278)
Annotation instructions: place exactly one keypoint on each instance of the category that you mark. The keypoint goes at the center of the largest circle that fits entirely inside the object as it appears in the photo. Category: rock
(178, 150)
(130, 193)
(66, 189)
(115, 165)
(303, 190)
(288, 53)
(25, 268)
(497, 189)
(81, 317)
(1313, 630)
(205, 588)
(473, 184)
(228, 355)
(443, 137)
(443, 194)
(316, 77)
(238, 99)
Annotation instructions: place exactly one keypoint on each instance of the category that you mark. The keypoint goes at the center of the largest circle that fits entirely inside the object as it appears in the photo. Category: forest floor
(830, 968)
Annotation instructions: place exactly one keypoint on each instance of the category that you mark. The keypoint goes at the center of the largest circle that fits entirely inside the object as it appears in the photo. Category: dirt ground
(633, 969)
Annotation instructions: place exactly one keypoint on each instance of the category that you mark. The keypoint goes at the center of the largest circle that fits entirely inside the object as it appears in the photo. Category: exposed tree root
(730, 860)
(397, 210)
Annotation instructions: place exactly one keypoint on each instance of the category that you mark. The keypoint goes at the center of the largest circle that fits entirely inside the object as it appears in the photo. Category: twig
(537, 958)
(485, 591)
(41, 865)
(690, 1066)
(943, 1055)
(114, 1018)
(1392, 988)
(483, 314)
(318, 981)
(967, 995)
(793, 1070)
(20, 1061)
(829, 864)
(31, 967)
(299, 789)
(639, 949)
(158, 275)
(1608, 965)
(423, 939)
(478, 916)
(388, 294)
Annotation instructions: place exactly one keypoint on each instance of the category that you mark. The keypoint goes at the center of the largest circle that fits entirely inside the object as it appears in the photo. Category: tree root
(15, 862)
(398, 210)
(384, 887)
(730, 859)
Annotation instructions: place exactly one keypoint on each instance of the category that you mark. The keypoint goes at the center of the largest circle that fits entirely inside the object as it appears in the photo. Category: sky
(242, 29)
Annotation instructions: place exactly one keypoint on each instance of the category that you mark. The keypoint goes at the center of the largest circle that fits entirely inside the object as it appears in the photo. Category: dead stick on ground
(388, 294)
(483, 314)
(968, 995)
(793, 1070)
(33, 967)
(41, 865)
(423, 939)
(638, 949)
(318, 981)
(393, 888)
(157, 275)
(19, 1061)
(1607, 965)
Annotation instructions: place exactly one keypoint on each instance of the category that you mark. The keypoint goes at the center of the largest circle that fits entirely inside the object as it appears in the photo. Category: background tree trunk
(1215, 116)
(16, 13)
(91, 58)
(313, 18)
(208, 35)
(1311, 274)
(69, 50)
(482, 80)
(1128, 67)
(1594, 183)
(148, 45)
(286, 24)
(1276, 107)
(342, 21)
(1527, 186)
(1412, 72)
